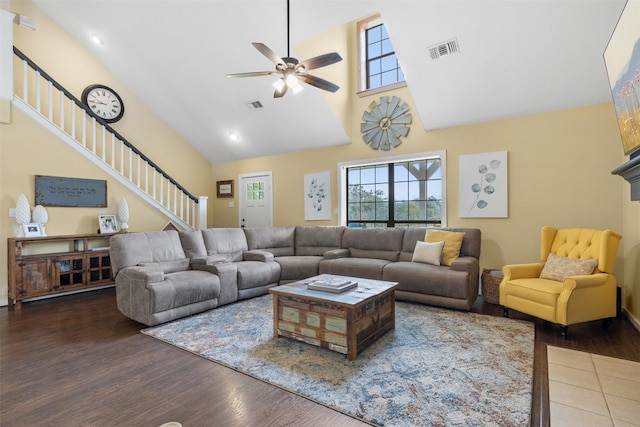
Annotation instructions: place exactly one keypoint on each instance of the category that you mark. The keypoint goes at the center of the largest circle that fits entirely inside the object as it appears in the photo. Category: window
(380, 65)
(397, 192)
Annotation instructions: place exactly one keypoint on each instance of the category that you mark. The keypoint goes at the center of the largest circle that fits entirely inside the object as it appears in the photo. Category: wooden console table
(41, 266)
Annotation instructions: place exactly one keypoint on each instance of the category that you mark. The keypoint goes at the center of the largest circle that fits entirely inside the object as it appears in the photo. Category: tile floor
(591, 390)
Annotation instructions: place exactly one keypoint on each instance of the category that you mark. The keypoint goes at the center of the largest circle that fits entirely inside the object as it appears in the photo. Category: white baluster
(50, 100)
(38, 91)
(61, 110)
(25, 81)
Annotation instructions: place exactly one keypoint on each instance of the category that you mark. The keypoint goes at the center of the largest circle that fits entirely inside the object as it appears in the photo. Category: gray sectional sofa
(164, 275)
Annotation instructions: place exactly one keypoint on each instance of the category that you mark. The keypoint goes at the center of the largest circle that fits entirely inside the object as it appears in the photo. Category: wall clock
(103, 102)
(385, 122)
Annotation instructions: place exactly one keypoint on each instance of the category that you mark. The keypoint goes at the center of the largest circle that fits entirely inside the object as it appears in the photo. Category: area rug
(438, 367)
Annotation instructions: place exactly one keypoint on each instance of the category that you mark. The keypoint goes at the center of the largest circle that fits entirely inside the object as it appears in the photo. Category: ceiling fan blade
(252, 74)
(263, 49)
(318, 82)
(321, 61)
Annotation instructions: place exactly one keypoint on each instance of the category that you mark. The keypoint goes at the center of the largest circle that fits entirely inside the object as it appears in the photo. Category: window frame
(363, 26)
(342, 178)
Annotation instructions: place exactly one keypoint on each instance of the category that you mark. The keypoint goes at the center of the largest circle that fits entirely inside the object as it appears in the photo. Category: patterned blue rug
(437, 368)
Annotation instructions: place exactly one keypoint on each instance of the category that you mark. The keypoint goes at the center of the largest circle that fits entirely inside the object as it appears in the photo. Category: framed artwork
(108, 224)
(317, 196)
(32, 230)
(622, 59)
(483, 185)
(224, 188)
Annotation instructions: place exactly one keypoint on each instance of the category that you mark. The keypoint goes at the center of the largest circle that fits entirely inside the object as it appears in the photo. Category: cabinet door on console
(35, 277)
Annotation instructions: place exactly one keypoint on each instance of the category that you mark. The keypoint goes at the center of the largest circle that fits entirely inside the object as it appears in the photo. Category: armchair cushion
(452, 243)
(559, 267)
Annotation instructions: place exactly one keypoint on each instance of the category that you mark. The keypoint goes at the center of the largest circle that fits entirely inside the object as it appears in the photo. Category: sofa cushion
(228, 242)
(183, 288)
(316, 240)
(368, 268)
(428, 253)
(559, 267)
(277, 240)
(298, 267)
(429, 279)
(379, 243)
(452, 243)
(193, 244)
(254, 274)
(130, 249)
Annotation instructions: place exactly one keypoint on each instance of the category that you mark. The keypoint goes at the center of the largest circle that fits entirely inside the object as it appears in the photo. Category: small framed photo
(32, 230)
(108, 224)
(224, 188)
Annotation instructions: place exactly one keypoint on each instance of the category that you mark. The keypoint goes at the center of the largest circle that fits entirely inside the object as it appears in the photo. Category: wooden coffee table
(347, 322)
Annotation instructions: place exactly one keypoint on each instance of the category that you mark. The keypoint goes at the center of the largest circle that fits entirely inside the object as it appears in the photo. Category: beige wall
(27, 149)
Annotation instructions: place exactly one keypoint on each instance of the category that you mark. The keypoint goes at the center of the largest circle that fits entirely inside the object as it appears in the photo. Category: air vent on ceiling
(255, 105)
(446, 48)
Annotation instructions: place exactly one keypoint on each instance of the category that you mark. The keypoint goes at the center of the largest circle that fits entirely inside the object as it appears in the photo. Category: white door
(255, 200)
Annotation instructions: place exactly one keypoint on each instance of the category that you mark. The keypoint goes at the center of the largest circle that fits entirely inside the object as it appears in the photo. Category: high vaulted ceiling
(516, 57)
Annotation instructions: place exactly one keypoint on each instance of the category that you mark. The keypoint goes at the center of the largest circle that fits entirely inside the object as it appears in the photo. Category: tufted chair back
(581, 243)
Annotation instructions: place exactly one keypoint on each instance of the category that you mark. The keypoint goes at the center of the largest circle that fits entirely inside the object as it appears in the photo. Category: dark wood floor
(76, 361)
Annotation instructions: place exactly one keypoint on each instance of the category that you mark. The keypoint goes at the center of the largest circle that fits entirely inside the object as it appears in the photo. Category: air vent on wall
(446, 48)
(255, 105)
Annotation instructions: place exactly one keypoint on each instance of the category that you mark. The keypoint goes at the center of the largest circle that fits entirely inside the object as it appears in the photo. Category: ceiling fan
(293, 71)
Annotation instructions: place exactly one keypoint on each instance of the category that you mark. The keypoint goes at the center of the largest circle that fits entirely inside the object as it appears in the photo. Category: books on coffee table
(331, 284)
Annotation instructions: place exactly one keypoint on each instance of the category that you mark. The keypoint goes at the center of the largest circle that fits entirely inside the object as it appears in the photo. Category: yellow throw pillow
(452, 243)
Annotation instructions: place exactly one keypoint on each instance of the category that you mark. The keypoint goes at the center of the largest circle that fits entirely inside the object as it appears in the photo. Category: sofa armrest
(257, 255)
(146, 274)
(208, 260)
(464, 263)
(336, 253)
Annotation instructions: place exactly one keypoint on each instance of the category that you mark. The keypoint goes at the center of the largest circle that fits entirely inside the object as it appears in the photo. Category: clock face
(104, 103)
(385, 123)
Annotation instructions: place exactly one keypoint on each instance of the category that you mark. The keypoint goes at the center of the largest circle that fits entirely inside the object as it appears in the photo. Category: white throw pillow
(427, 252)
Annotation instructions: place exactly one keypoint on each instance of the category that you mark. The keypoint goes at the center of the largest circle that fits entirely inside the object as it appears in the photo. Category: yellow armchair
(574, 299)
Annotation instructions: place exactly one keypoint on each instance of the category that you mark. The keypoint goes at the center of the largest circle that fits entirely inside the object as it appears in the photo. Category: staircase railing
(71, 119)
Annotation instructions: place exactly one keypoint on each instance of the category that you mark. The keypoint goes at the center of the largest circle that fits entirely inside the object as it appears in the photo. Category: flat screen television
(622, 59)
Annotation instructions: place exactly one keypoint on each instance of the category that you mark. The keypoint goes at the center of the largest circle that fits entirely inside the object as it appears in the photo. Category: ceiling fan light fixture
(279, 84)
(291, 81)
(297, 89)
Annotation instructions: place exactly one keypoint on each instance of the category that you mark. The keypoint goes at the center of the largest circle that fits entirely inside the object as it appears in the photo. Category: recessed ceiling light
(97, 39)
(233, 136)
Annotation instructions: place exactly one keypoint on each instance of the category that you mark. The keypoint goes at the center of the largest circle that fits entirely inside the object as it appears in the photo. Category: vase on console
(41, 217)
(23, 213)
(123, 215)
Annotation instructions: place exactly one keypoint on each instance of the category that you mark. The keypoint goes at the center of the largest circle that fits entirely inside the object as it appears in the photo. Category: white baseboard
(4, 302)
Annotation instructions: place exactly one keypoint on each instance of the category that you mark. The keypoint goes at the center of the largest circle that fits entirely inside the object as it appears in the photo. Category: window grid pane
(382, 67)
(415, 194)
